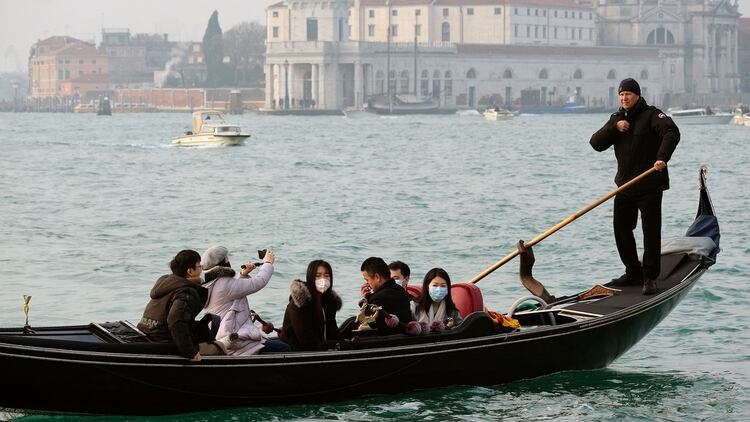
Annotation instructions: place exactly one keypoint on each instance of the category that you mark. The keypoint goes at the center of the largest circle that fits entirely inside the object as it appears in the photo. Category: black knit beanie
(630, 85)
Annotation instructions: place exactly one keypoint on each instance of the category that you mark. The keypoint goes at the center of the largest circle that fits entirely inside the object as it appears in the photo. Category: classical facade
(333, 54)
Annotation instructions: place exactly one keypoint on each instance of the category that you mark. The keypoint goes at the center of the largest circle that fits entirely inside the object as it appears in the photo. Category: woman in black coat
(310, 317)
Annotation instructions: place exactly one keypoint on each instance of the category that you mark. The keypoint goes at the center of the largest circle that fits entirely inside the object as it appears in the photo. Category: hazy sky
(23, 22)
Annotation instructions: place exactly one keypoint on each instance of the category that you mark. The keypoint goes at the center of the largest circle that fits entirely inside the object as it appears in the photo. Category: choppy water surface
(93, 208)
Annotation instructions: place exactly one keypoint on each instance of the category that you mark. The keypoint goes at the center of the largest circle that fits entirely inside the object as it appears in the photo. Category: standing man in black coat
(643, 137)
(381, 290)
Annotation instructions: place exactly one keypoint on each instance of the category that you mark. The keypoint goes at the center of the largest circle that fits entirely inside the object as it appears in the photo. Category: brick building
(63, 66)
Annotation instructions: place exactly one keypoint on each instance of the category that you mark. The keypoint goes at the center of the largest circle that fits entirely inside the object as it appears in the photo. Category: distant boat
(210, 129)
(406, 104)
(568, 107)
(700, 116)
(497, 113)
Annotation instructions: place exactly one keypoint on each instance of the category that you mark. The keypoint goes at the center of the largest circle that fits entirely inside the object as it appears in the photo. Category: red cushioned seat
(414, 291)
(467, 297)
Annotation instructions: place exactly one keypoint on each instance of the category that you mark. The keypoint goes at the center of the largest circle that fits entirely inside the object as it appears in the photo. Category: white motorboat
(497, 113)
(700, 116)
(210, 129)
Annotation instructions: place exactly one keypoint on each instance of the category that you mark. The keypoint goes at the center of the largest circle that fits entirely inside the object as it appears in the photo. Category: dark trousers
(625, 221)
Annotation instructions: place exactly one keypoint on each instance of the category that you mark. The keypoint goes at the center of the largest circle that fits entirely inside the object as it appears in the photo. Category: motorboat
(113, 368)
(210, 129)
(700, 116)
(497, 113)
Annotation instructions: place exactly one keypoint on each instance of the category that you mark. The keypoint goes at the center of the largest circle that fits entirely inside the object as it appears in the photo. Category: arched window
(404, 81)
(379, 82)
(611, 74)
(436, 75)
(644, 74)
(392, 81)
(578, 74)
(543, 74)
(508, 74)
(424, 84)
(446, 31)
(660, 36)
(471, 74)
(448, 87)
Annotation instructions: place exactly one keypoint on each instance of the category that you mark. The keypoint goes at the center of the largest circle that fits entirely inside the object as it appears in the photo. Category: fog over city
(23, 22)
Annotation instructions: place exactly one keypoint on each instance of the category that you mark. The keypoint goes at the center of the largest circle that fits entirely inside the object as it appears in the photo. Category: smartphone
(262, 253)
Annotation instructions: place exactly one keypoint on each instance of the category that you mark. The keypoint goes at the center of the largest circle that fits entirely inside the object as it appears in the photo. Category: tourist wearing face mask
(435, 303)
(310, 317)
(227, 298)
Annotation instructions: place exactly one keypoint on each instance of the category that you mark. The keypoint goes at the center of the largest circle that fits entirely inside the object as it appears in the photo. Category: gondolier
(643, 137)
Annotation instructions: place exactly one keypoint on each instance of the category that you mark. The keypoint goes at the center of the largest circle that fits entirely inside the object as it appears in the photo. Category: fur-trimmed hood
(300, 295)
(217, 272)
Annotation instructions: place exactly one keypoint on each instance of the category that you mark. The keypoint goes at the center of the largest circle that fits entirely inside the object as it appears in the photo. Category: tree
(245, 45)
(213, 51)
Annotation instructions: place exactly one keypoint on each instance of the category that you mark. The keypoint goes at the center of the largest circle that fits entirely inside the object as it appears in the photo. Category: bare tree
(245, 45)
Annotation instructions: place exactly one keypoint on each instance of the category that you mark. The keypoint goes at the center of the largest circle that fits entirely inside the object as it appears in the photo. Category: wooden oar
(561, 224)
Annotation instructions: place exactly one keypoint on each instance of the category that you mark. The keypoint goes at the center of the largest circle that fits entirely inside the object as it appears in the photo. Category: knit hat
(214, 256)
(630, 85)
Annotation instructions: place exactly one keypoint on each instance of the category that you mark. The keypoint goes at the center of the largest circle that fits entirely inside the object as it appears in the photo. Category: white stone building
(334, 54)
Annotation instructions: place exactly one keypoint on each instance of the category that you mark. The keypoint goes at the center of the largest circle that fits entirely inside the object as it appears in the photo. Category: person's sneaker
(649, 286)
(626, 280)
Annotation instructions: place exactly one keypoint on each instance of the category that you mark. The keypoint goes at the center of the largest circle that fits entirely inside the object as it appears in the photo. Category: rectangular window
(515, 30)
(394, 12)
(580, 15)
(580, 33)
(80, 61)
(371, 13)
(417, 12)
(448, 88)
(275, 14)
(536, 12)
(555, 13)
(470, 11)
(555, 32)
(566, 13)
(371, 30)
(417, 30)
(498, 10)
(591, 34)
(528, 31)
(536, 31)
(394, 30)
(528, 11)
(275, 30)
(445, 11)
(312, 29)
(93, 61)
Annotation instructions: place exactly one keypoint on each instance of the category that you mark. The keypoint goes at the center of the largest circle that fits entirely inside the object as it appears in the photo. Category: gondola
(111, 368)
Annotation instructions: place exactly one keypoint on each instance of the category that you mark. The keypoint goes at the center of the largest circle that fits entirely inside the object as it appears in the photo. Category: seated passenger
(310, 317)
(380, 289)
(176, 299)
(435, 304)
(400, 273)
(227, 298)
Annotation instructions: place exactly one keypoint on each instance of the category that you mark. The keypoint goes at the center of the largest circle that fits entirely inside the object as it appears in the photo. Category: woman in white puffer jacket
(227, 298)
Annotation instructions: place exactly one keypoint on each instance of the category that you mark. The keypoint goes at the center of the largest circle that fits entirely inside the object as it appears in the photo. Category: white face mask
(203, 276)
(322, 284)
(399, 281)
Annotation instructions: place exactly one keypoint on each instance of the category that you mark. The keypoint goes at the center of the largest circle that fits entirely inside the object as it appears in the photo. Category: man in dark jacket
(384, 292)
(643, 137)
(176, 299)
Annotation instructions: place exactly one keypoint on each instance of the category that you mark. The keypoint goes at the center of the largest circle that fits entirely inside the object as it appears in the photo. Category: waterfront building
(469, 53)
(62, 66)
(133, 59)
(744, 55)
